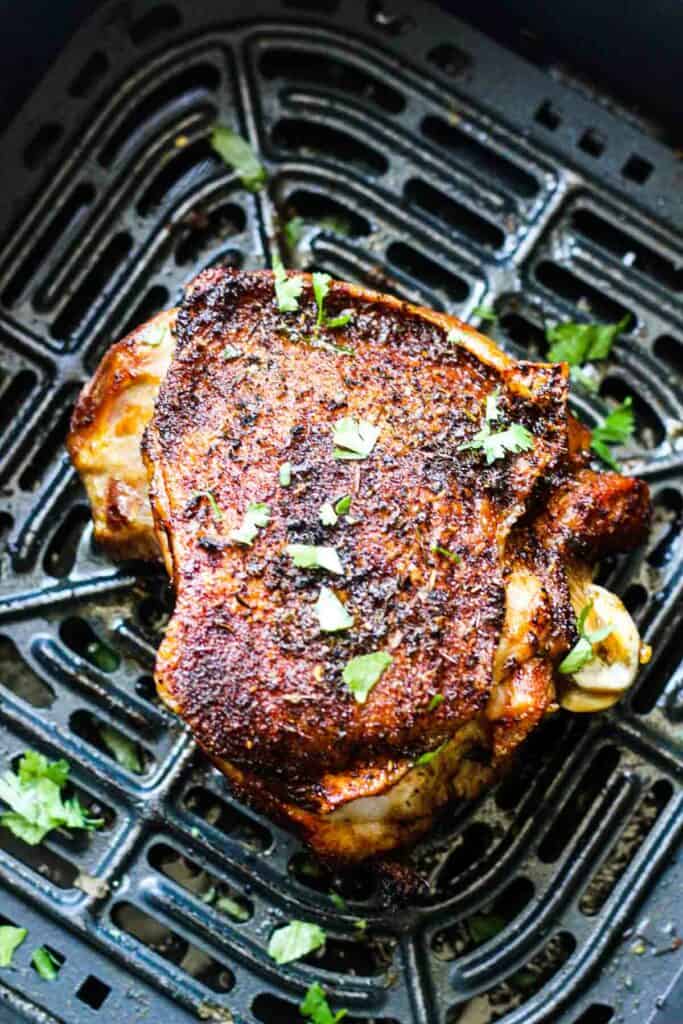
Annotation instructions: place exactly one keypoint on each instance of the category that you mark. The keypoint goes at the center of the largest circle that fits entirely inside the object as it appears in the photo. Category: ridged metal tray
(425, 161)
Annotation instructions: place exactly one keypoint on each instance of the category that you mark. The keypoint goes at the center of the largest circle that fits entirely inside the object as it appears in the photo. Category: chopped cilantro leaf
(339, 321)
(451, 555)
(293, 230)
(315, 1007)
(287, 289)
(321, 286)
(617, 428)
(295, 940)
(343, 506)
(496, 445)
(583, 650)
(285, 474)
(103, 657)
(577, 344)
(45, 963)
(580, 654)
(34, 766)
(340, 225)
(364, 671)
(337, 901)
(35, 801)
(228, 905)
(354, 439)
(485, 313)
(255, 518)
(429, 755)
(315, 556)
(238, 154)
(437, 699)
(584, 379)
(492, 411)
(327, 515)
(331, 613)
(125, 750)
(209, 495)
(10, 940)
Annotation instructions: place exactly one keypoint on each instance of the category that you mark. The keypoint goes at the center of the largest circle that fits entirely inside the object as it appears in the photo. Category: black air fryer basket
(427, 161)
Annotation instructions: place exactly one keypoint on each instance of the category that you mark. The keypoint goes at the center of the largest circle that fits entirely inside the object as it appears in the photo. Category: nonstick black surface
(429, 162)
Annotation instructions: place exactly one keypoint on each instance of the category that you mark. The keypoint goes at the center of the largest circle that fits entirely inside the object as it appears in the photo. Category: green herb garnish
(315, 556)
(583, 650)
(362, 672)
(429, 755)
(496, 444)
(337, 901)
(10, 940)
(452, 556)
(579, 376)
(327, 515)
(295, 940)
(125, 750)
(285, 474)
(617, 428)
(340, 225)
(293, 230)
(343, 506)
(255, 518)
(209, 495)
(437, 699)
(354, 439)
(331, 613)
(103, 657)
(238, 154)
(35, 800)
(577, 344)
(485, 313)
(321, 286)
(229, 906)
(315, 1007)
(231, 352)
(45, 963)
(287, 289)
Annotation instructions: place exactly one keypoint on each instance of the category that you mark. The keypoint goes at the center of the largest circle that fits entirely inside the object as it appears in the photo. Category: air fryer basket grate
(423, 160)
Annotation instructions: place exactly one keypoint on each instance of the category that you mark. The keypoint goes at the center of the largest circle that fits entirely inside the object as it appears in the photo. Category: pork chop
(465, 578)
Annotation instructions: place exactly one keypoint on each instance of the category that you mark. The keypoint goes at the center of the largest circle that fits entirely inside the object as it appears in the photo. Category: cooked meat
(469, 575)
(106, 432)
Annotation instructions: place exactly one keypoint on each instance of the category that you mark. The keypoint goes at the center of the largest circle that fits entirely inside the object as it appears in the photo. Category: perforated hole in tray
(171, 946)
(403, 181)
(519, 985)
(309, 139)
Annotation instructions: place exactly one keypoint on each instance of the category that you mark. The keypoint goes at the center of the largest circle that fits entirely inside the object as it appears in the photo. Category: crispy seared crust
(243, 660)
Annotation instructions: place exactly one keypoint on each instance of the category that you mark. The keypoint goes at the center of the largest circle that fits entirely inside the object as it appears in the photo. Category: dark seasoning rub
(254, 676)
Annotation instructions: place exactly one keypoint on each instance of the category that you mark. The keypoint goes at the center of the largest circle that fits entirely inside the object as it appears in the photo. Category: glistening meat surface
(244, 660)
